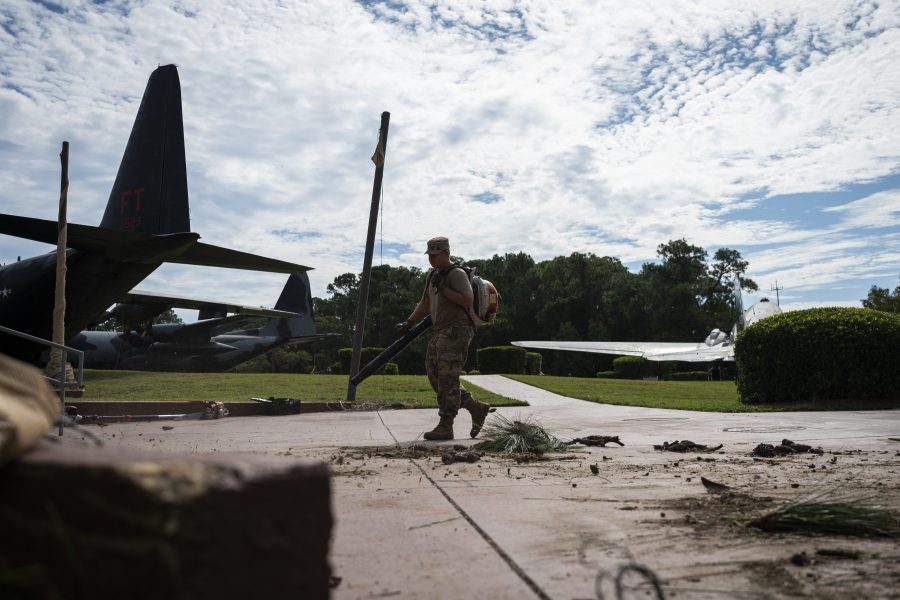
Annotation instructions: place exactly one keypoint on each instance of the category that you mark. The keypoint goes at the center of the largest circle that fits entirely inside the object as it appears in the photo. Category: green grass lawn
(378, 391)
(413, 391)
(710, 396)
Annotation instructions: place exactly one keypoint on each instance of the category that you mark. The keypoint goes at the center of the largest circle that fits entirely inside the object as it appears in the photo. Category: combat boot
(443, 431)
(479, 412)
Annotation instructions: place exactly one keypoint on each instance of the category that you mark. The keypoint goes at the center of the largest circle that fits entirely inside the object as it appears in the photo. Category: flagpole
(378, 159)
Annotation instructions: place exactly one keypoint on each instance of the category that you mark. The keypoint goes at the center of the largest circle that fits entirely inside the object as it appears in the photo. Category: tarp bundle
(28, 407)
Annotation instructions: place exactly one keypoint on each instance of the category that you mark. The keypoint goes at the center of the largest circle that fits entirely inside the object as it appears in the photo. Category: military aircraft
(718, 345)
(146, 223)
(208, 345)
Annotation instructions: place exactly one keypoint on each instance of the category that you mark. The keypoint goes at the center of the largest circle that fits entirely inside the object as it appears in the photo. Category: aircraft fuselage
(93, 282)
(115, 350)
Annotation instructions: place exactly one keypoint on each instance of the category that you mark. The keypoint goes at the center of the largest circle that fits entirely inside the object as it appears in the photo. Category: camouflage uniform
(444, 359)
(449, 345)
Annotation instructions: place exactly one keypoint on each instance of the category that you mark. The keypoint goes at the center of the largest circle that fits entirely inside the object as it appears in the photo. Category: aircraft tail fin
(295, 297)
(150, 194)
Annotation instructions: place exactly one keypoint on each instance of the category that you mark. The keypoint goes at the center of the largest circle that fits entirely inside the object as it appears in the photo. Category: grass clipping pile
(512, 436)
(830, 513)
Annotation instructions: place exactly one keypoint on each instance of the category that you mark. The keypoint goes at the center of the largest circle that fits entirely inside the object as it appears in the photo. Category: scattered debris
(838, 553)
(786, 447)
(167, 427)
(280, 406)
(448, 458)
(595, 469)
(800, 448)
(597, 440)
(508, 436)
(801, 559)
(527, 457)
(714, 488)
(764, 451)
(684, 446)
(215, 410)
(824, 516)
(105, 419)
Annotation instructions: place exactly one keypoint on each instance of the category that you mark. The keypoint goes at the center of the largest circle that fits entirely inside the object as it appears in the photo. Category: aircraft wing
(140, 297)
(216, 256)
(200, 332)
(656, 351)
(133, 246)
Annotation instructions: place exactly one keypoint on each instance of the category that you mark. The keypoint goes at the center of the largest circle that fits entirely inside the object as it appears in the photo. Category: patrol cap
(437, 245)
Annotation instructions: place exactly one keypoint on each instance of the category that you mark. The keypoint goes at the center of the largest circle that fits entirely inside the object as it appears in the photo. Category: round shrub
(502, 359)
(820, 354)
(391, 369)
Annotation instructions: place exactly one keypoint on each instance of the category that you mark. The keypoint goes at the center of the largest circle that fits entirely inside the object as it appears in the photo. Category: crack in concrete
(532, 584)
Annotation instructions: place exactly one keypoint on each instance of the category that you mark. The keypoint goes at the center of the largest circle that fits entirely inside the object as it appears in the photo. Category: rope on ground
(605, 578)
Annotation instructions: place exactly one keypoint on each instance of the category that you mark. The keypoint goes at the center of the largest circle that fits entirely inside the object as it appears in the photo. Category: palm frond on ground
(512, 436)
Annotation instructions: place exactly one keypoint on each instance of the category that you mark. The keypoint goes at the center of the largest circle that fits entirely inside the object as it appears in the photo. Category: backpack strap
(431, 274)
(447, 270)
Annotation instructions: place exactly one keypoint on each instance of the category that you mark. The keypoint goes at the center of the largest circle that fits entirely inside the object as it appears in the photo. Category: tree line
(680, 297)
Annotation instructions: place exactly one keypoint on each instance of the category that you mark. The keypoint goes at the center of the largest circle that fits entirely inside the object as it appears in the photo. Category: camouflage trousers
(444, 359)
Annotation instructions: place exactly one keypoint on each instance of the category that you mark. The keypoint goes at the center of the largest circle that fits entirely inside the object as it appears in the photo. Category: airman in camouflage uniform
(448, 297)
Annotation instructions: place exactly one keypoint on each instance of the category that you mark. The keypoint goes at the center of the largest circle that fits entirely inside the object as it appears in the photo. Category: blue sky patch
(487, 197)
(807, 210)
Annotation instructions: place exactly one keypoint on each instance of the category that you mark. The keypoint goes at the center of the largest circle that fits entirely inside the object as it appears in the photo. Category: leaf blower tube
(392, 350)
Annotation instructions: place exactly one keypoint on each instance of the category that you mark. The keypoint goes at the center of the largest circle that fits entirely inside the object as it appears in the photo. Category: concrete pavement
(416, 528)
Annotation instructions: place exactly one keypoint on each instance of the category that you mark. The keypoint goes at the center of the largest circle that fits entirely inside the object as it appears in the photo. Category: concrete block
(87, 522)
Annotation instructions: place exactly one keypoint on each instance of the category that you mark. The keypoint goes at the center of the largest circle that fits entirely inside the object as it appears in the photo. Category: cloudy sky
(516, 125)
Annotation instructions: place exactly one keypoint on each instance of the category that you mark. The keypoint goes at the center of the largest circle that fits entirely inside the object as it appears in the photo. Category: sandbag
(28, 407)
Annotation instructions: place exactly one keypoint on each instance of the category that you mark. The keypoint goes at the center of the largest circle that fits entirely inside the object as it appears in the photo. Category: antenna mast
(776, 289)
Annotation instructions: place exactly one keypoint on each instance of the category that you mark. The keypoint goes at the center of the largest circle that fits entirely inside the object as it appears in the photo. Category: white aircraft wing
(657, 351)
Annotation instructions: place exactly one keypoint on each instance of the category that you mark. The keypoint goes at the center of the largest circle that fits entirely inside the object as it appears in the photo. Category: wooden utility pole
(56, 367)
(378, 159)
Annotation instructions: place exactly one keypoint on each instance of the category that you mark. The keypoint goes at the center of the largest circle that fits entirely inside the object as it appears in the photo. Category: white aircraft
(718, 345)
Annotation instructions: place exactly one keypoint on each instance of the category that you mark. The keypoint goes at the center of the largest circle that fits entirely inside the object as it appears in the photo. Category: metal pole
(379, 157)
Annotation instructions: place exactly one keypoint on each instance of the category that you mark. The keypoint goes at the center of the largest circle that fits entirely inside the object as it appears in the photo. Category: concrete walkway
(416, 528)
(654, 425)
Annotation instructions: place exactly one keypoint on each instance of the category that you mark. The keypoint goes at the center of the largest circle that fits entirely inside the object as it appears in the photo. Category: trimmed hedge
(533, 362)
(502, 359)
(631, 367)
(365, 355)
(688, 376)
(820, 354)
